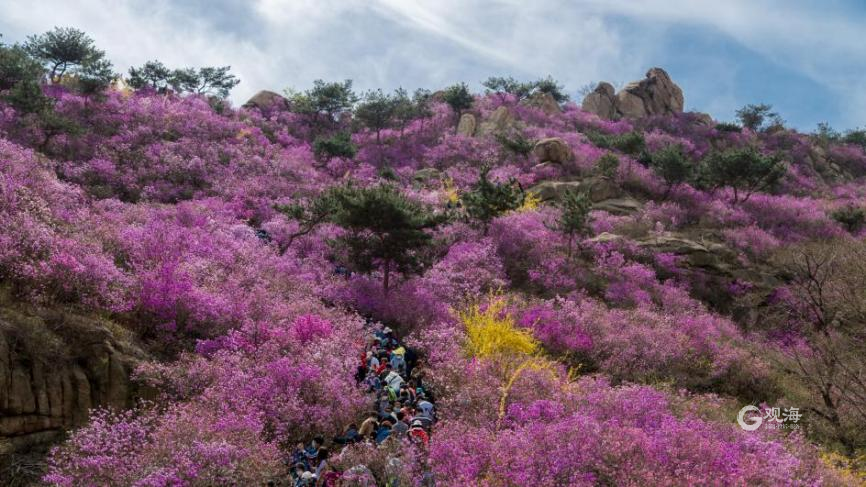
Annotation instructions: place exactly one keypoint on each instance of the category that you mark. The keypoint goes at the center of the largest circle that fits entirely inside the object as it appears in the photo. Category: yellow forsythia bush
(491, 333)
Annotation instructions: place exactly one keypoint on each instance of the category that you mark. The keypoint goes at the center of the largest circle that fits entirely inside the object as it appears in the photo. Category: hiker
(411, 359)
(307, 479)
(407, 394)
(425, 408)
(372, 361)
(418, 434)
(312, 451)
(298, 471)
(368, 428)
(398, 362)
(400, 428)
(349, 436)
(384, 430)
(392, 378)
(299, 455)
(322, 461)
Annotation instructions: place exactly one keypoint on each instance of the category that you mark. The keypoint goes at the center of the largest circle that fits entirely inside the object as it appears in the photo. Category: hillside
(583, 292)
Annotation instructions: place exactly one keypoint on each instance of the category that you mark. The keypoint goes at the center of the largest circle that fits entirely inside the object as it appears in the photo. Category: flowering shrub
(182, 446)
(620, 436)
(49, 256)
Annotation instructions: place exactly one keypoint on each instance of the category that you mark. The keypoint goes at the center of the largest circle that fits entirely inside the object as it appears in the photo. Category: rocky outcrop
(598, 188)
(552, 149)
(55, 367)
(502, 120)
(619, 206)
(467, 125)
(601, 102)
(711, 265)
(656, 94)
(265, 100)
(545, 102)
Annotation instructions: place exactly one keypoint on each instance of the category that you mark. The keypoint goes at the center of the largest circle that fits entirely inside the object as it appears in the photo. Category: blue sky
(807, 58)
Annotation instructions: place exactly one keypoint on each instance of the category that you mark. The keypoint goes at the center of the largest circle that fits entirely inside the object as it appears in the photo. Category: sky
(806, 58)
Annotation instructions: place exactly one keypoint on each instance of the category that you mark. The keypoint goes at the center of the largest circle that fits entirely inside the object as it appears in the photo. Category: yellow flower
(450, 191)
(530, 202)
(492, 333)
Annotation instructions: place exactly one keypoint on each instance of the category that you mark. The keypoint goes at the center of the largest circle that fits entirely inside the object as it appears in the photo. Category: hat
(308, 475)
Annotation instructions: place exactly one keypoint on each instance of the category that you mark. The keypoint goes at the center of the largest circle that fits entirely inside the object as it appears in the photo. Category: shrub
(487, 200)
(742, 170)
(492, 333)
(337, 145)
(672, 165)
(852, 217)
(607, 165)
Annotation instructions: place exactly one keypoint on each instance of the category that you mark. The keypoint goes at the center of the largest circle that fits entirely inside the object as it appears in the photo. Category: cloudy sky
(807, 58)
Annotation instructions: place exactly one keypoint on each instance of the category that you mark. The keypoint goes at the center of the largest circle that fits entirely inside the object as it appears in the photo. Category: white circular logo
(752, 422)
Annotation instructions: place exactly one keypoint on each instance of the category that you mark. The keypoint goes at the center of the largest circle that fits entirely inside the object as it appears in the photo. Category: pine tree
(487, 199)
(386, 230)
(575, 206)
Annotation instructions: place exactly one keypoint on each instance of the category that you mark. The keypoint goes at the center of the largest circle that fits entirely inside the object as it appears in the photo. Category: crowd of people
(403, 410)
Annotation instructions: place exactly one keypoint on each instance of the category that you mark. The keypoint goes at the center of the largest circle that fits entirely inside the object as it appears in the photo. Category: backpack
(392, 395)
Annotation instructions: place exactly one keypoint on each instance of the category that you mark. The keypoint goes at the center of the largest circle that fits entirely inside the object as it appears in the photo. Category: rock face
(601, 102)
(54, 367)
(552, 149)
(467, 125)
(545, 102)
(501, 120)
(265, 100)
(599, 189)
(656, 94)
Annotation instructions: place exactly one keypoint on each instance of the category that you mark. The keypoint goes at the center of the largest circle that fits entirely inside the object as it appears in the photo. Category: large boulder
(656, 94)
(601, 102)
(545, 102)
(502, 120)
(552, 149)
(630, 105)
(467, 125)
(265, 100)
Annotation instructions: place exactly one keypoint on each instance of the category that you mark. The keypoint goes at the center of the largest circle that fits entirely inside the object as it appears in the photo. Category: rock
(601, 102)
(630, 105)
(719, 259)
(619, 206)
(501, 120)
(605, 237)
(656, 94)
(467, 125)
(552, 149)
(600, 189)
(704, 118)
(265, 100)
(55, 367)
(426, 175)
(545, 102)
(554, 190)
